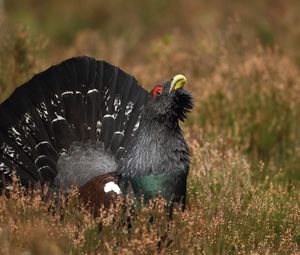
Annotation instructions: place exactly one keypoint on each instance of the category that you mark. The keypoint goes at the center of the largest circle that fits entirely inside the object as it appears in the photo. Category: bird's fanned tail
(80, 100)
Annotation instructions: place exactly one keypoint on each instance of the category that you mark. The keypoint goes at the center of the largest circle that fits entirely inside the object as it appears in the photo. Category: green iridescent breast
(170, 187)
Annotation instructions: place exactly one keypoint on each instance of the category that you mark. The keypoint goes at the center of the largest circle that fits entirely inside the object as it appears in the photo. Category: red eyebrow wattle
(156, 89)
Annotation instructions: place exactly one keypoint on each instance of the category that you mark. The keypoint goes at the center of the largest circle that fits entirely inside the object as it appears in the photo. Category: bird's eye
(157, 90)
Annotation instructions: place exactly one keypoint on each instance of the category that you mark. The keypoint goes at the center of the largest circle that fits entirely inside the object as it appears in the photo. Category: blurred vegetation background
(241, 58)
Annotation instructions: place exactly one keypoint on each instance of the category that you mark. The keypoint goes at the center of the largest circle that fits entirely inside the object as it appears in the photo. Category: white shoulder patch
(112, 186)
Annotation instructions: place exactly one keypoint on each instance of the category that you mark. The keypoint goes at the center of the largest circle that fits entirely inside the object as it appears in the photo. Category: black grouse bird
(89, 124)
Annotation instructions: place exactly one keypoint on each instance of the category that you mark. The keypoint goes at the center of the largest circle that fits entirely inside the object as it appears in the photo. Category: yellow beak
(178, 82)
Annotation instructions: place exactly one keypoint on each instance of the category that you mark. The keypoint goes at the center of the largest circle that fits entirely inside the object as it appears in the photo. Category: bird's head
(169, 101)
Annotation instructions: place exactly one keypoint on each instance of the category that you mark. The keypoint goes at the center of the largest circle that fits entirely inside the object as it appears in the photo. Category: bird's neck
(155, 149)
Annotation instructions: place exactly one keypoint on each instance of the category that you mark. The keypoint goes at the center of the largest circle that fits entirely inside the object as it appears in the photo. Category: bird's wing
(81, 100)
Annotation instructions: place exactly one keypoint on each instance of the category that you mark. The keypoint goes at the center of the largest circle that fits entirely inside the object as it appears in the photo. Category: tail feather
(124, 91)
(91, 113)
(44, 160)
(133, 117)
(46, 148)
(116, 141)
(81, 100)
(47, 174)
(76, 119)
(6, 168)
(107, 130)
(64, 135)
(19, 158)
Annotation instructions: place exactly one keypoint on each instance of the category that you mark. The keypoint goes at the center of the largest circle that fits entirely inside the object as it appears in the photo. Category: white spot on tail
(92, 91)
(67, 93)
(110, 116)
(137, 124)
(44, 142)
(15, 131)
(119, 133)
(117, 103)
(128, 109)
(98, 127)
(9, 151)
(42, 110)
(59, 118)
(112, 186)
(4, 169)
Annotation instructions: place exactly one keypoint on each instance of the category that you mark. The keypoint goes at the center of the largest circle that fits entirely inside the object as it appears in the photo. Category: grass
(242, 65)
(226, 214)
